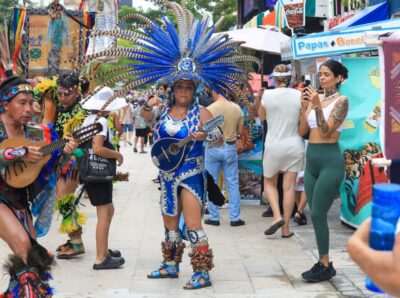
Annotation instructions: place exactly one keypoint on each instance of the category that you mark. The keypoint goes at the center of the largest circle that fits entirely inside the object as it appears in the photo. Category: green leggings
(322, 178)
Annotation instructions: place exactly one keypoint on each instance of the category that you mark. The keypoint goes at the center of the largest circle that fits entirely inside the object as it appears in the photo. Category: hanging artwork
(55, 42)
(106, 19)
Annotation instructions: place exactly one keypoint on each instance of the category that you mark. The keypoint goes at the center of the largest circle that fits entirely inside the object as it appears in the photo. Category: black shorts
(99, 193)
(141, 132)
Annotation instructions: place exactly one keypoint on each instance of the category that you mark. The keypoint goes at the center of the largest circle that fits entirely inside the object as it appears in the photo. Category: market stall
(360, 140)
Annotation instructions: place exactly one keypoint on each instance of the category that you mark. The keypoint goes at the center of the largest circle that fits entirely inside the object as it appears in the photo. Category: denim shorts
(128, 127)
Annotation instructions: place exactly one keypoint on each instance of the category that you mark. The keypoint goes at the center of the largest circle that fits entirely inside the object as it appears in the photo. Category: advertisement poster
(359, 140)
(294, 11)
(56, 41)
(391, 54)
(250, 164)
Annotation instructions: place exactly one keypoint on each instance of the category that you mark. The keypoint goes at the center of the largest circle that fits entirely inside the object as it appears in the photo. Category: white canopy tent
(260, 39)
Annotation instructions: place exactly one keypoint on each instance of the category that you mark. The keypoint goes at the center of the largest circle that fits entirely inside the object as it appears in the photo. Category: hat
(97, 101)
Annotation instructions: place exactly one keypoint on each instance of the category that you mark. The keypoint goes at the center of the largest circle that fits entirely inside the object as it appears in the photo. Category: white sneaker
(225, 206)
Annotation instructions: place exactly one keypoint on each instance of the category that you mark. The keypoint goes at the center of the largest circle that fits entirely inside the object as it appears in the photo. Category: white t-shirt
(103, 121)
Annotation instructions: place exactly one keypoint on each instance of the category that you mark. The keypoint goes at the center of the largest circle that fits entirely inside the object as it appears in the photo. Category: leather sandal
(71, 250)
(64, 246)
(275, 227)
(167, 270)
(300, 218)
(200, 279)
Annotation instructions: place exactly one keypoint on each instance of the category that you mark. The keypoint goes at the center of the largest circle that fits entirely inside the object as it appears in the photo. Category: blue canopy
(370, 14)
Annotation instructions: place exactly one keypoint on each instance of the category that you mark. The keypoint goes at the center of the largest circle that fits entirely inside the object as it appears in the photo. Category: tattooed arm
(336, 118)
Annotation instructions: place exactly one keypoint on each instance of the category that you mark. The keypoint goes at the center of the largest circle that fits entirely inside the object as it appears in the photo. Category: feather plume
(165, 52)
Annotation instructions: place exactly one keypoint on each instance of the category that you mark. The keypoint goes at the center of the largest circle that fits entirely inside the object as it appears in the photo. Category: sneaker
(135, 150)
(225, 206)
(237, 223)
(212, 222)
(319, 272)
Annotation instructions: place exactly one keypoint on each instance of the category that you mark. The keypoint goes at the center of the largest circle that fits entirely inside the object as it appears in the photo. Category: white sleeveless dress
(284, 147)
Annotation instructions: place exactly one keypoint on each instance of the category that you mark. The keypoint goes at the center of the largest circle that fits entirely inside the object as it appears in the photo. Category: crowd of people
(190, 150)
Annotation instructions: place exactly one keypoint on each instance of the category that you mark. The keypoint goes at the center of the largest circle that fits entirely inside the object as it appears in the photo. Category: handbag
(245, 142)
(94, 168)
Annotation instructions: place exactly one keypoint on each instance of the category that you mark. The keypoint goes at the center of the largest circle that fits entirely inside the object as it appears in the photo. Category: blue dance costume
(190, 175)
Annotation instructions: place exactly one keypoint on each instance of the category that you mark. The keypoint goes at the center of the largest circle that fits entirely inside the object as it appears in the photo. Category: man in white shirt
(126, 115)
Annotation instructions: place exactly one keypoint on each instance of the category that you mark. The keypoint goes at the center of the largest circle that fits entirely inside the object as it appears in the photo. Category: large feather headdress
(167, 52)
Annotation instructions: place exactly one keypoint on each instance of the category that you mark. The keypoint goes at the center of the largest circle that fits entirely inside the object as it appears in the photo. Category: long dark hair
(337, 68)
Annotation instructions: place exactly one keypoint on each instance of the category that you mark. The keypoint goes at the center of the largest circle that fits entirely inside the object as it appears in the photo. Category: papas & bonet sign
(294, 12)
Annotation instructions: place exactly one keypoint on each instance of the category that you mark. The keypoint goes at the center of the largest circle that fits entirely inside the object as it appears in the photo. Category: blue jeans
(224, 158)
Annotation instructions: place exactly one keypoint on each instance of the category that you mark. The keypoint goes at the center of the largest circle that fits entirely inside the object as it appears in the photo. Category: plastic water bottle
(385, 215)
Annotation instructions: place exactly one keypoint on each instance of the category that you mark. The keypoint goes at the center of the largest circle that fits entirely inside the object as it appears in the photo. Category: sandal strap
(171, 268)
(197, 277)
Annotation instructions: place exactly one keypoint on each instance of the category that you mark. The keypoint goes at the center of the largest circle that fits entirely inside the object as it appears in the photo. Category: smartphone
(307, 83)
(34, 133)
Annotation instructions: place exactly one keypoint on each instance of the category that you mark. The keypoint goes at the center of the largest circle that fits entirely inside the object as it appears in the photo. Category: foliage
(6, 6)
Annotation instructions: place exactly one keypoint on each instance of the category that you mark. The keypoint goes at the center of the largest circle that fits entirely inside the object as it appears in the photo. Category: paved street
(247, 263)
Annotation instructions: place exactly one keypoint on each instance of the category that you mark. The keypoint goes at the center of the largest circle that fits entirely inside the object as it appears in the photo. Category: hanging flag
(391, 68)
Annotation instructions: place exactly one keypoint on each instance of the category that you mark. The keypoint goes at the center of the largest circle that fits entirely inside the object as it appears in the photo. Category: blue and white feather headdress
(165, 53)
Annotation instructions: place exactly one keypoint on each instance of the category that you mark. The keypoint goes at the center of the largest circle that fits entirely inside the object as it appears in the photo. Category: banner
(294, 11)
(56, 41)
(106, 19)
(250, 164)
(391, 60)
(359, 139)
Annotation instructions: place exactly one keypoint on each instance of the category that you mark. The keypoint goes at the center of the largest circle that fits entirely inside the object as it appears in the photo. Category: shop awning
(370, 14)
(259, 39)
(331, 43)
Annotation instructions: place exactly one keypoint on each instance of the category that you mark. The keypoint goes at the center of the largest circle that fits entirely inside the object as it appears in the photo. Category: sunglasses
(15, 90)
(61, 93)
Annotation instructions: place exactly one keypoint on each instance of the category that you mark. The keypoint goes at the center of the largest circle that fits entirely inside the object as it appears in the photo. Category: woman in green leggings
(324, 116)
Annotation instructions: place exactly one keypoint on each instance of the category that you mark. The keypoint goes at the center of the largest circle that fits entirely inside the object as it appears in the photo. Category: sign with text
(325, 45)
(294, 11)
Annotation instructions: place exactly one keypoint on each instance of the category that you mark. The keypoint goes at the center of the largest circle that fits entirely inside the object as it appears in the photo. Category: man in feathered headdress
(69, 117)
(30, 264)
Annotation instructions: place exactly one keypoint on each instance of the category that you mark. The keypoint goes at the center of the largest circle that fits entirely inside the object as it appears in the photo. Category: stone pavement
(247, 263)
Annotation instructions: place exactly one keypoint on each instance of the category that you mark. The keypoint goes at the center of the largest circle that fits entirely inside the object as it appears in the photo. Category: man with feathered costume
(69, 117)
(30, 263)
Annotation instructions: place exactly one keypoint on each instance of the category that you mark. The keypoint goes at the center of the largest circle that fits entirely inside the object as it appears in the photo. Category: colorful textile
(190, 175)
(72, 219)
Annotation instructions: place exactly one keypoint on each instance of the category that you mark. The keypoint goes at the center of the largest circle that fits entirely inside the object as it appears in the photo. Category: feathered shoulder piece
(184, 48)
